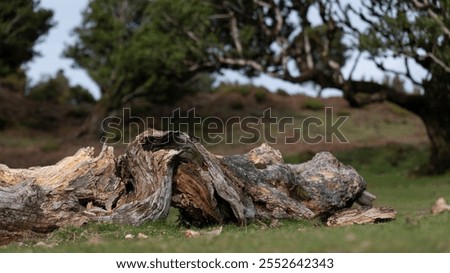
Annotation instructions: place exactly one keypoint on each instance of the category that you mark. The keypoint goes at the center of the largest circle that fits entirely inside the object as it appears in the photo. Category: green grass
(391, 158)
(47, 143)
(312, 104)
(386, 171)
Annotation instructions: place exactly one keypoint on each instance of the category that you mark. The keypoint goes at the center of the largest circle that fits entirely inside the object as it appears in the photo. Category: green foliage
(58, 90)
(390, 158)
(242, 89)
(418, 31)
(138, 48)
(103, 40)
(282, 93)
(313, 104)
(298, 157)
(22, 23)
(15, 81)
(260, 95)
(50, 89)
(80, 95)
(405, 30)
(201, 82)
(319, 40)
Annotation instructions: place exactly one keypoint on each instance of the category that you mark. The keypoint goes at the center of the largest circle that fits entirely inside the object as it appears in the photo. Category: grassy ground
(388, 173)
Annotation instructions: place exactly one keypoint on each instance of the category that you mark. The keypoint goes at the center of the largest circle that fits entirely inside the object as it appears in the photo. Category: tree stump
(163, 169)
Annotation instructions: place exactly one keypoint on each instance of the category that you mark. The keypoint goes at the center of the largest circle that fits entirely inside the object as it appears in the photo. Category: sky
(67, 15)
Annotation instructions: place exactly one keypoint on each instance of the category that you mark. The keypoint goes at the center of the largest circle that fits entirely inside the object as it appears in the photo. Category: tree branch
(174, 23)
(242, 63)
(309, 58)
(234, 31)
(408, 72)
(438, 61)
(354, 65)
(411, 102)
(262, 3)
(426, 6)
(278, 18)
(381, 66)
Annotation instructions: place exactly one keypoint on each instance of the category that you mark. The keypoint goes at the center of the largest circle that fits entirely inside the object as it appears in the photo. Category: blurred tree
(22, 23)
(52, 89)
(15, 81)
(416, 31)
(80, 95)
(138, 48)
(57, 89)
(278, 38)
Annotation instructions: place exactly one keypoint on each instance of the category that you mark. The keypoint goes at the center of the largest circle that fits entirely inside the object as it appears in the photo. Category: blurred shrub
(58, 90)
(201, 82)
(236, 105)
(228, 88)
(260, 95)
(15, 82)
(313, 104)
(79, 95)
(282, 93)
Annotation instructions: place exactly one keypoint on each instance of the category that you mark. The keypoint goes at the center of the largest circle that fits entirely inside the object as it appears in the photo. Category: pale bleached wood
(361, 215)
(440, 206)
(162, 169)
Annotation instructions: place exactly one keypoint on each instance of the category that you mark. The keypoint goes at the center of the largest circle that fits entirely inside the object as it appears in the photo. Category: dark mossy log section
(164, 169)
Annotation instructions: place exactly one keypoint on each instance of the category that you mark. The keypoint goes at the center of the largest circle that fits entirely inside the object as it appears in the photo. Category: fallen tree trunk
(163, 169)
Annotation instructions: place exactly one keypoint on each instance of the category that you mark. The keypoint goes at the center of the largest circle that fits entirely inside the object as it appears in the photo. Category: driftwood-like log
(163, 169)
(362, 215)
(440, 206)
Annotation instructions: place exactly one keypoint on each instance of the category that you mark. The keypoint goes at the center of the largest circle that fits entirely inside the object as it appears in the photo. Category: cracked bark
(164, 169)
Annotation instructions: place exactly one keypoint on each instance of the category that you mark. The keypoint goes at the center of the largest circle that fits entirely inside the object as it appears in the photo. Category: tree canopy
(22, 23)
(418, 32)
(279, 38)
(133, 48)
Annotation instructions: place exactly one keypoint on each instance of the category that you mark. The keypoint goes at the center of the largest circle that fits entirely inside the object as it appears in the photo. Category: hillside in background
(41, 133)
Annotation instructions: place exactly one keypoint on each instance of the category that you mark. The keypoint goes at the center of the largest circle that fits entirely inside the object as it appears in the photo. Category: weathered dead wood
(440, 206)
(328, 185)
(163, 169)
(366, 199)
(42, 199)
(361, 215)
